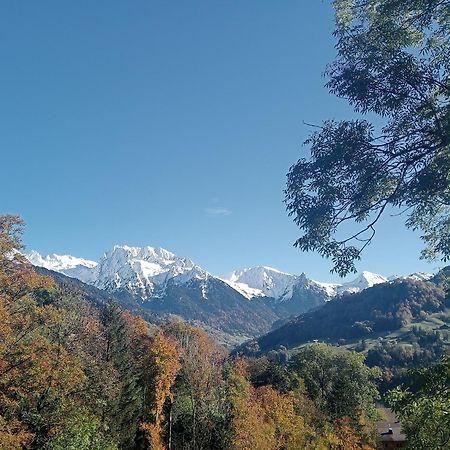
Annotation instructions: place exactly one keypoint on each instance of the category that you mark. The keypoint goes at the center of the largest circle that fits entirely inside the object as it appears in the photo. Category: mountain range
(244, 303)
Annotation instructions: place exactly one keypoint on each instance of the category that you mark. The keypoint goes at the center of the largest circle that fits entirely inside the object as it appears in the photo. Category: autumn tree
(125, 408)
(38, 375)
(265, 419)
(344, 437)
(161, 371)
(197, 407)
(247, 429)
(266, 370)
(392, 62)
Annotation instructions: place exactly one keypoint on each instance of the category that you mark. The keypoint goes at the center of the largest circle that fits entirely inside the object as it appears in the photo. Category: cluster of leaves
(335, 383)
(392, 62)
(287, 414)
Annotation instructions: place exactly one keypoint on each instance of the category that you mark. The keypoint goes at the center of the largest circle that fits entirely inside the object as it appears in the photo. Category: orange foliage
(152, 432)
(345, 437)
(13, 435)
(165, 364)
(163, 361)
(34, 367)
(263, 418)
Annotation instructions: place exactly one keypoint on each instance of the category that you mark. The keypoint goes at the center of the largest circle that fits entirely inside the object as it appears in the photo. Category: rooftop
(389, 428)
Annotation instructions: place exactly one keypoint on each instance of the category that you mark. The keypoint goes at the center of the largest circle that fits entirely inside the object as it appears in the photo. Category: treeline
(74, 375)
(79, 375)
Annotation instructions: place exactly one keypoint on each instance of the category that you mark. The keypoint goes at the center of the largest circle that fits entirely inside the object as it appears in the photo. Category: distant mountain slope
(382, 308)
(287, 294)
(82, 269)
(69, 285)
(265, 281)
(144, 271)
(363, 281)
(213, 303)
(158, 282)
(210, 303)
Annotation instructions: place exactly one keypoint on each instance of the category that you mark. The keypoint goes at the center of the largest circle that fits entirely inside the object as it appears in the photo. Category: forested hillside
(373, 312)
(396, 326)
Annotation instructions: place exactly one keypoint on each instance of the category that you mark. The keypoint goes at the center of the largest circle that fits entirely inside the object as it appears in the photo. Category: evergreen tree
(125, 410)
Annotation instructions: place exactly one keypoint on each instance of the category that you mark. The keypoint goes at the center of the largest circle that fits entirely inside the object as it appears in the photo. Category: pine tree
(124, 411)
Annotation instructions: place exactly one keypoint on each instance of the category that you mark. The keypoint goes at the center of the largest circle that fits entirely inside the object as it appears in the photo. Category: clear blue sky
(168, 124)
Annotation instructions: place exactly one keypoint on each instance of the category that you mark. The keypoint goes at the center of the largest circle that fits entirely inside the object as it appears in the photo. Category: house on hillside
(389, 430)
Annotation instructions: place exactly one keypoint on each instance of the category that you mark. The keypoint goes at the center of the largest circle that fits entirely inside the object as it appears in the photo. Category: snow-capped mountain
(82, 269)
(287, 294)
(363, 281)
(417, 276)
(244, 303)
(144, 271)
(262, 281)
(151, 274)
(267, 282)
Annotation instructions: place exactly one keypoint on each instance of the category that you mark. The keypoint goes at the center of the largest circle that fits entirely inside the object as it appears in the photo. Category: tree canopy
(77, 373)
(424, 409)
(392, 62)
(337, 381)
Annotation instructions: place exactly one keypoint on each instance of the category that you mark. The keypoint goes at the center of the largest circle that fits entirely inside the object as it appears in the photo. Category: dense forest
(79, 374)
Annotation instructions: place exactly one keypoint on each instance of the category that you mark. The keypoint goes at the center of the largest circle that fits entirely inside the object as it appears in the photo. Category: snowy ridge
(146, 272)
(244, 289)
(417, 276)
(265, 281)
(82, 269)
(363, 281)
(330, 288)
(58, 262)
(262, 281)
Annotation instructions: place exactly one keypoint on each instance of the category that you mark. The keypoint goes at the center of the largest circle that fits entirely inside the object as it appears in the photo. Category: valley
(158, 284)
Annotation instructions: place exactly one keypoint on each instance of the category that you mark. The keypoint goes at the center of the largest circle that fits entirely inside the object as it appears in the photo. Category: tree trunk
(194, 423)
(169, 446)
